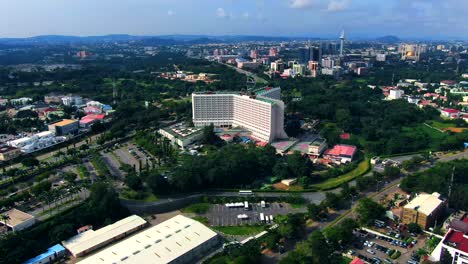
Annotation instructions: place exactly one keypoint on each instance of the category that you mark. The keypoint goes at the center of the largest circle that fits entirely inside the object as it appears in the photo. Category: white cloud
(221, 13)
(170, 12)
(246, 15)
(338, 5)
(299, 4)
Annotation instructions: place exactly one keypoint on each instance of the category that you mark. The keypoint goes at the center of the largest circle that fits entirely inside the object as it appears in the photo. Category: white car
(370, 252)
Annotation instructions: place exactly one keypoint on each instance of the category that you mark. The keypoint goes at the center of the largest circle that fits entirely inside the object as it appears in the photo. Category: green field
(441, 125)
(435, 136)
(199, 208)
(240, 230)
(332, 183)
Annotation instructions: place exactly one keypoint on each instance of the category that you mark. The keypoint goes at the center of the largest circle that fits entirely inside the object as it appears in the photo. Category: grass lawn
(345, 260)
(144, 196)
(240, 230)
(441, 125)
(332, 183)
(435, 135)
(201, 219)
(199, 208)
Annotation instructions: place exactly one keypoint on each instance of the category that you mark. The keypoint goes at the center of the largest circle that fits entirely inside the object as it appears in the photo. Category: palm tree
(5, 218)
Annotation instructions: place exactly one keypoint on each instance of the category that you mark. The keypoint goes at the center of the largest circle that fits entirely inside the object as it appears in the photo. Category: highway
(249, 74)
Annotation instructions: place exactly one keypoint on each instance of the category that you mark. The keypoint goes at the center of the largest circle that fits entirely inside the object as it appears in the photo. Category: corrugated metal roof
(89, 239)
(162, 243)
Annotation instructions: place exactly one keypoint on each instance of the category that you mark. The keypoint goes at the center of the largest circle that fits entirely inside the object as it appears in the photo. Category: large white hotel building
(261, 112)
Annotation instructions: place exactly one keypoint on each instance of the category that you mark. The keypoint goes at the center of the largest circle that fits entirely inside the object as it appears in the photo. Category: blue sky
(320, 18)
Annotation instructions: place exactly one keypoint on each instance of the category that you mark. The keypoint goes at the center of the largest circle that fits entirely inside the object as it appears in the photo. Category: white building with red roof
(340, 153)
(450, 113)
(456, 244)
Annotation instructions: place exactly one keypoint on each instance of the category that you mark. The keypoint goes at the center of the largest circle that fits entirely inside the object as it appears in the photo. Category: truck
(263, 204)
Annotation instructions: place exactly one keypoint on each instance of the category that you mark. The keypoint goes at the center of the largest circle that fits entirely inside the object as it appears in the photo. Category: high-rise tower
(342, 39)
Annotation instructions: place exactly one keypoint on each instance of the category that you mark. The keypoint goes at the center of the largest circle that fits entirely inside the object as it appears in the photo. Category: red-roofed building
(450, 113)
(456, 243)
(448, 82)
(88, 120)
(357, 260)
(345, 136)
(340, 153)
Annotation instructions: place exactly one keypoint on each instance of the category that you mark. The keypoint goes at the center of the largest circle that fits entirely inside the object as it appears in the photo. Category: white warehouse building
(261, 112)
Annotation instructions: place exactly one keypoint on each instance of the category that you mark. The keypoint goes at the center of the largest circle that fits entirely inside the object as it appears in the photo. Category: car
(414, 242)
(388, 261)
(370, 251)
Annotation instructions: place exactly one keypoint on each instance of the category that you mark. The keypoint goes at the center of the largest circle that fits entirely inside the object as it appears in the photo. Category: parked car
(370, 251)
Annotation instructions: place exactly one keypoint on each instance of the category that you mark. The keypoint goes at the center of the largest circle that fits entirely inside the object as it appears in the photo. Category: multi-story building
(64, 127)
(423, 210)
(277, 66)
(314, 68)
(8, 152)
(455, 242)
(299, 69)
(261, 112)
(273, 52)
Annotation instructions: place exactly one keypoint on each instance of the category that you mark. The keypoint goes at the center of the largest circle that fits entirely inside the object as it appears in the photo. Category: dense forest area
(379, 126)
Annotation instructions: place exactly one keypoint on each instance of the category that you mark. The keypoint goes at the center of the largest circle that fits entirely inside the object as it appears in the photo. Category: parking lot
(374, 246)
(221, 215)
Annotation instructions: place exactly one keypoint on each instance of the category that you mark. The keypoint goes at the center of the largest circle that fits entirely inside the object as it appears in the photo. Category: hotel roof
(162, 243)
(425, 203)
(90, 239)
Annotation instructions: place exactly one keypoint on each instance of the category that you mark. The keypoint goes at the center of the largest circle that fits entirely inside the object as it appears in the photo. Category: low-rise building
(64, 127)
(88, 241)
(450, 113)
(181, 135)
(317, 146)
(395, 94)
(340, 153)
(455, 242)
(8, 152)
(50, 256)
(423, 210)
(177, 240)
(17, 220)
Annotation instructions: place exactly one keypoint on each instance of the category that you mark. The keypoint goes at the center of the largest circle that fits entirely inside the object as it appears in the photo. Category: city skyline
(306, 18)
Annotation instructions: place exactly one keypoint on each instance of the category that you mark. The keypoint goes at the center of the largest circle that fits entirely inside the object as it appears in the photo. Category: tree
(391, 172)
(61, 232)
(133, 181)
(369, 211)
(70, 177)
(209, 136)
(333, 200)
(157, 183)
(30, 162)
(414, 228)
(316, 212)
(41, 187)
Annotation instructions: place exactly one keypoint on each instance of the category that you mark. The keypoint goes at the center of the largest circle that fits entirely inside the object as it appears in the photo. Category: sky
(434, 19)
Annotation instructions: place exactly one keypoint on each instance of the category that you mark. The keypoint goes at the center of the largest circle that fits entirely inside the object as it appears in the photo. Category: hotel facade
(261, 112)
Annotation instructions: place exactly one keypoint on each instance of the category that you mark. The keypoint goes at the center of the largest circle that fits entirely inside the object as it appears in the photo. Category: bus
(262, 217)
(245, 192)
(246, 206)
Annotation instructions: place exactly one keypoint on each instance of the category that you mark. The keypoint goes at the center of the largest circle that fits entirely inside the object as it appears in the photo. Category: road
(249, 74)
(57, 207)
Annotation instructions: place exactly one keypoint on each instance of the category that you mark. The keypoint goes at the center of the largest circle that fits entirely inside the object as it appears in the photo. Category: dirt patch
(284, 187)
(455, 129)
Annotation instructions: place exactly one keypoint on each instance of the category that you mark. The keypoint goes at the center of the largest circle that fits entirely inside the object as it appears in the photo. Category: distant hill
(388, 39)
(146, 40)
